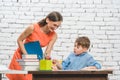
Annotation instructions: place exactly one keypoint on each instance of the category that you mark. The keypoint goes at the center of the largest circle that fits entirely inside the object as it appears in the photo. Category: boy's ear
(85, 49)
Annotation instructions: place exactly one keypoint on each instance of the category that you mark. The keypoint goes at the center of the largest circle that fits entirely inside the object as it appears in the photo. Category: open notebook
(34, 48)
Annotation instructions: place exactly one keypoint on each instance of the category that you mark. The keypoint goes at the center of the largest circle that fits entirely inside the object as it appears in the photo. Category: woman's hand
(47, 56)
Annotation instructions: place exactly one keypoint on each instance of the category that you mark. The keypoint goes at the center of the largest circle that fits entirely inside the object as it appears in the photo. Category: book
(34, 48)
(29, 63)
(30, 68)
(29, 56)
(32, 60)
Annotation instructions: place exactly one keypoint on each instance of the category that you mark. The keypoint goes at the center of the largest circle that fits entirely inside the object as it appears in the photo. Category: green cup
(45, 64)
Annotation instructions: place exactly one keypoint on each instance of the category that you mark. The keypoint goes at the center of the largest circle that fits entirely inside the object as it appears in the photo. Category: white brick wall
(97, 19)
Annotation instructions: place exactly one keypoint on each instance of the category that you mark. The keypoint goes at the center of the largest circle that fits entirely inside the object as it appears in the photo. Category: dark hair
(53, 16)
(83, 41)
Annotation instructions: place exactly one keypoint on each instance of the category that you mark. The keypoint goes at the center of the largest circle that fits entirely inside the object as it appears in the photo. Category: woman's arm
(50, 46)
(23, 36)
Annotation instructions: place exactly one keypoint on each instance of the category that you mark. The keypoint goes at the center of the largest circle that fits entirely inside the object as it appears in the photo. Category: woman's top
(39, 35)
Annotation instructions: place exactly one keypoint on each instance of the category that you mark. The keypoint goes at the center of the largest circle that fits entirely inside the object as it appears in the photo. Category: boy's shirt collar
(81, 54)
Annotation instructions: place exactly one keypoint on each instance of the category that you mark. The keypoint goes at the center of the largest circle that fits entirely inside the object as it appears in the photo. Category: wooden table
(71, 75)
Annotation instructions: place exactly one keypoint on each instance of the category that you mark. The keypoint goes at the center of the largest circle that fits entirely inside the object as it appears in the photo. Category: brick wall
(97, 19)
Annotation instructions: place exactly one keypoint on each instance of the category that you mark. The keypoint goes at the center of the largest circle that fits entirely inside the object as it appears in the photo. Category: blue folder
(34, 48)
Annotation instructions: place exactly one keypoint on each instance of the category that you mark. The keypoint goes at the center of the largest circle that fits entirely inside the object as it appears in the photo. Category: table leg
(0, 76)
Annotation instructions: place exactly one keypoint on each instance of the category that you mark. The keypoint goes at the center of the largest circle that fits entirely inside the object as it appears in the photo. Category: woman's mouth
(52, 29)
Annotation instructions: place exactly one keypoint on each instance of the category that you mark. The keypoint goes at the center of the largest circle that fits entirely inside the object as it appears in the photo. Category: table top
(57, 72)
(73, 72)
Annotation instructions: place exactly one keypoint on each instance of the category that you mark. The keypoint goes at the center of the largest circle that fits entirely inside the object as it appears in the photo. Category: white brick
(100, 32)
(107, 28)
(97, 23)
(69, 31)
(85, 32)
(6, 0)
(8, 4)
(8, 20)
(113, 32)
(107, 1)
(112, 23)
(110, 19)
(52, 9)
(104, 14)
(97, 1)
(26, 17)
(116, 2)
(35, 9)
(6, 12)
(11, 16)
(8, 30)
(3, 25)
(88, 6)
(23, 21)
(84, 18)
(117, 37)
(89, 2)
(3, 57)
(111, 63)
(67, 36)
(96, 50)
(34, 1)
(105, 45)
(44, 1)
(1, 16)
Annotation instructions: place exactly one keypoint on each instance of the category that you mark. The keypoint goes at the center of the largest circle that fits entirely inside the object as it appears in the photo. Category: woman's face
(53, 25)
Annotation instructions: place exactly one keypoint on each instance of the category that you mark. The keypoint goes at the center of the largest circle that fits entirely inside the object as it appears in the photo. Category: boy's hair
(83, 41)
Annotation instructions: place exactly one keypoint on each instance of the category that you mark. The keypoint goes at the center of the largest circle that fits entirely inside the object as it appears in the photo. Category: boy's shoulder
(88, 54)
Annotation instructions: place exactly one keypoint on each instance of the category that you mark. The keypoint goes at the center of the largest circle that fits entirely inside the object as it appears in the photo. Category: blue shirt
(77, 62)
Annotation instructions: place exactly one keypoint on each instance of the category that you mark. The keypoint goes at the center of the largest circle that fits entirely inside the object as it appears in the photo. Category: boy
(79, 59)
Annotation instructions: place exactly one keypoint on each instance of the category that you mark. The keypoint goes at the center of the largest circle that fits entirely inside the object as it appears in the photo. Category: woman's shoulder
(34, 26)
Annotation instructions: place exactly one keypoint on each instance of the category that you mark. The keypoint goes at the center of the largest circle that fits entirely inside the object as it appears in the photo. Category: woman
(44, 32)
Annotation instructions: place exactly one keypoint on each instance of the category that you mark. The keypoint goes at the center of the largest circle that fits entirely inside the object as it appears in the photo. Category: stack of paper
(29, 62)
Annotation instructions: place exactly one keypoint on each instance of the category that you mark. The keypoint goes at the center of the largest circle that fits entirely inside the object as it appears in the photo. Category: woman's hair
(53, 16)
(83, 41)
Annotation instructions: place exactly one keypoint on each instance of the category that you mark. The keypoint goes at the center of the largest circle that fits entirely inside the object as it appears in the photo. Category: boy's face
(79, 49)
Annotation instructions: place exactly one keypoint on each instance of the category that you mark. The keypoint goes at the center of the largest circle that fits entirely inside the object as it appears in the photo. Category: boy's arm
(89, 67)
(92, 64)
(59, 66)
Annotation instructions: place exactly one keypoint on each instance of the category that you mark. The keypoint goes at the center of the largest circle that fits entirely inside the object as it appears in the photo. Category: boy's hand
(54, 68)
(55, 61)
